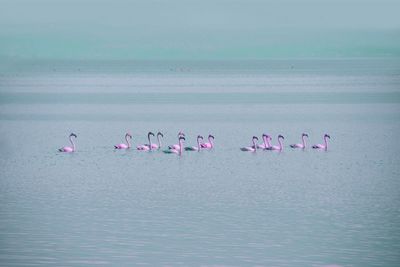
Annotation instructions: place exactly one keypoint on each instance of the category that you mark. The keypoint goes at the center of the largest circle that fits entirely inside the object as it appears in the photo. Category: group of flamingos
(178, 148)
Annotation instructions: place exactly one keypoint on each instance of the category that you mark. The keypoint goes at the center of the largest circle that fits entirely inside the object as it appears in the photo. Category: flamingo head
(199, 137)
(72, 134)
(255, 138)
(280, 136)
(150, 133)
(128, 135)
(181, 138)
(266, 136)
(327, 136)
(304, 134)
(211, 136)
(181, 134)
(160, 134)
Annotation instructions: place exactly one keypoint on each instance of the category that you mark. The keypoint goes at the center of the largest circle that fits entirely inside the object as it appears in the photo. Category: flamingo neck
(159, 141)
(326, 143)
(180, 146)
(268, 143)
(211, 142)
(72, 143)
(265, 141)
(127, 141)
(280, 144)
(304, 141)
(148, 137)
(198, 144)
(254, 145)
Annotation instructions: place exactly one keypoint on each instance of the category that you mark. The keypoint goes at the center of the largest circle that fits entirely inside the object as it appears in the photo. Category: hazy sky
(207, 29)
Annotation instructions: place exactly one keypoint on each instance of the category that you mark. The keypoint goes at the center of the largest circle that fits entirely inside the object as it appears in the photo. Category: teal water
(215, 208)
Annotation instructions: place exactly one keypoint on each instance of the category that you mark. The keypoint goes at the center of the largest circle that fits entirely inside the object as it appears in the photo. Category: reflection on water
(222, 207)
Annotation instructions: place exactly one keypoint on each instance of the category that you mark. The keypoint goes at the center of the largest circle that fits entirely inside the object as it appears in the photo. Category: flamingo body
(171, 151)
(297, 146)
(153, 146)
(206, 145)
(121, 146)
(177, 147)
(68, 149)
(323, 146)
(192, 148)
(143, 147)
(274, 148)
(248, 148)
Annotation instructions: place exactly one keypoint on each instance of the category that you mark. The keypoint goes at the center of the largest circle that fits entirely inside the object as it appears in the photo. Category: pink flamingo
(266, 138)
(280, 147)
(146, 147)
(155, 146)
(69, 149)
(210, 143)
(320, 146)
(194, 148)
(251, 148)
(303, 142)
(176, 151)
(124, 146)
(176, 146)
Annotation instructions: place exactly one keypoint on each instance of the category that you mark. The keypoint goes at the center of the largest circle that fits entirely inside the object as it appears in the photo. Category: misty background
(197, 30)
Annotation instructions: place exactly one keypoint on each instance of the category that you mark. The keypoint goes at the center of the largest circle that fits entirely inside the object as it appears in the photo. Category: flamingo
(146, 147)
(176, 151)
(210, 143)
(124, 146)
(251, 148)
(280, 147)
(303, 142)
(266, 139)
(69, 149)
(320, 146)
(176, 146)
(194, 148)
(155, 146)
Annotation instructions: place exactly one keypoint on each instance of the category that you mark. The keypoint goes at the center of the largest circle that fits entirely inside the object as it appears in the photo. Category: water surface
(222, 207)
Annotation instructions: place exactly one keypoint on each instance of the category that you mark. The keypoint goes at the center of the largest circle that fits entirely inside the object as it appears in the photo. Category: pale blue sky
(208, 29)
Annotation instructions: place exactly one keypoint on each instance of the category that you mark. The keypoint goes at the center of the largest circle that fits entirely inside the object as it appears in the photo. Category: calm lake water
(222, 207)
